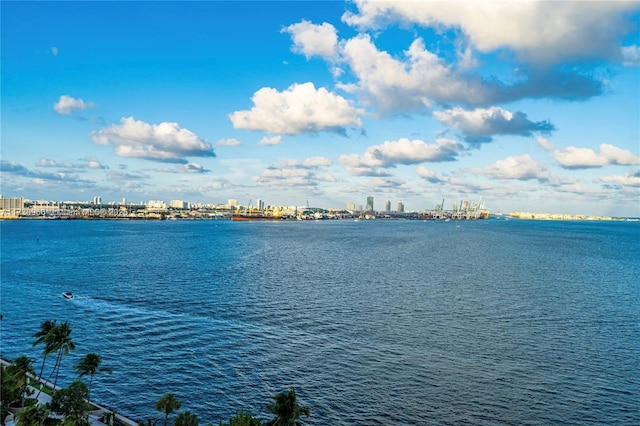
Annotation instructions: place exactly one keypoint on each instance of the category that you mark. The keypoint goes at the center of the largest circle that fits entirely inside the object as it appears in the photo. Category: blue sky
(531, 106)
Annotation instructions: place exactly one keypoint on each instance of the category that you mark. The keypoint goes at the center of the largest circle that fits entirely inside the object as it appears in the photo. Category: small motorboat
(67, 295)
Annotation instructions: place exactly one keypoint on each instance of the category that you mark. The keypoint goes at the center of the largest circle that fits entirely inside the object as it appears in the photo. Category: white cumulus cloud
(538, 31)
(402, 151)
(517, 167)
(429, 175)
(313, 40)
(271, 140)
(164, 142)
(299, 109)
(414, 82)
(632, 179)
(486, 122)
(67, 104)
(545, 144)
(582, 158)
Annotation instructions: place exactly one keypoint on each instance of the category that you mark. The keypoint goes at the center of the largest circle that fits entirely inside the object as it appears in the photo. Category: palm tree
(41, 337)
(33, 415)
(168, 403)
(286, 409)
(59, 340)
(242, 418)
(186, 419)
(90, 364)
(22, 368)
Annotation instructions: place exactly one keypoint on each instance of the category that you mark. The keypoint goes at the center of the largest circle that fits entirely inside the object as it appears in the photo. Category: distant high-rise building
(387, 206)
(351, 206)
(124, 201)
(232, 203)
(178, 204)
(369, 203)
(260, 204)
(400, 207)
(157, 205)
(11, 206)
(97, 200)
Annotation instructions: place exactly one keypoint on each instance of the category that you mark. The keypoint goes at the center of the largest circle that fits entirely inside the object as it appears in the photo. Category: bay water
(494, 322)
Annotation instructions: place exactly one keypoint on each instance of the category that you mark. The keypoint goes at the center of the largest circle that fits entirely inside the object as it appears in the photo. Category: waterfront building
(11, 206)
(369, 203)
(178, 204)
(97, 200)
(232, 203)
(387, 206)
(351, 206)
(156, 205)
(400, 207)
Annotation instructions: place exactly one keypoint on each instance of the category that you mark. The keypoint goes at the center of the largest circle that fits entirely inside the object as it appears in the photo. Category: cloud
(517, 167)
(402, 151)
(285, 177)
(391, 84)
(290, 172)
(40, 177)
(309, 163)
(486, 122)
(94, 164)
(87, 163)
(429, 175)
(631, 55)
(583, 158)
(313, 40)
(545, 144)
(67, 105)
(300, 109)
(228, 142)
(543, 32)
(631, 179)
(273, 140)
(164, 142)
(45, 162)
(420, 79)
(54, 51)
(13, 167)
(184, 168)
(126, 176)
(544, 52)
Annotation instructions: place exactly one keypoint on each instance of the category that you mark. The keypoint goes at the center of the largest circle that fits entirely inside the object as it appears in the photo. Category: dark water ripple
(374, 323)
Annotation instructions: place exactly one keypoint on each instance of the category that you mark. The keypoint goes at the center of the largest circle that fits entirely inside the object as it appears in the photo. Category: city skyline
(530, 106)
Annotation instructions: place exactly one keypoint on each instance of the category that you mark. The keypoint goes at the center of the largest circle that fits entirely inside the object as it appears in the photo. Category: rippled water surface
(373, 323)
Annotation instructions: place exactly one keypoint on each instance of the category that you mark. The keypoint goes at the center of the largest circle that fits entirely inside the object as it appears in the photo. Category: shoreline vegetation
(29, 399)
